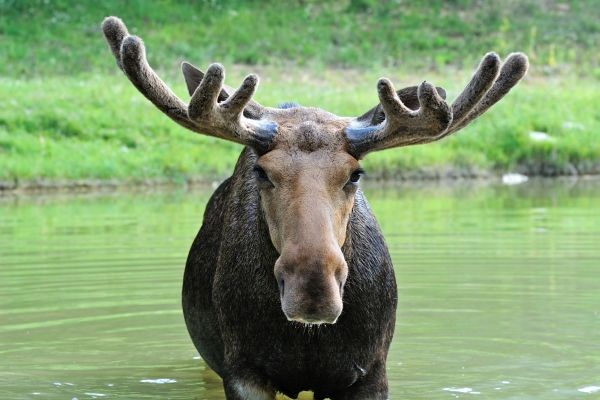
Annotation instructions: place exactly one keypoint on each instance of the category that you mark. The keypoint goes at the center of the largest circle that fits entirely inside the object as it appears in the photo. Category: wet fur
(233, 312)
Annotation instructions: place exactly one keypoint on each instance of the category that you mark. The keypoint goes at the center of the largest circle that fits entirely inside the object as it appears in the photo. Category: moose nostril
(281, 287)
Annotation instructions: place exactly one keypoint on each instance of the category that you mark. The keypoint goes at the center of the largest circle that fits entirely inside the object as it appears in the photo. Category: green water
(499, 293)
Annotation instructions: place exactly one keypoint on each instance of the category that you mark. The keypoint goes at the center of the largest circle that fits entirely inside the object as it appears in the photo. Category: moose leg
(373, 386)
(247, 387)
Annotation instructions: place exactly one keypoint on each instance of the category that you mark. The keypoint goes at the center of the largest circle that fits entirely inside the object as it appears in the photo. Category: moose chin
(289, 285)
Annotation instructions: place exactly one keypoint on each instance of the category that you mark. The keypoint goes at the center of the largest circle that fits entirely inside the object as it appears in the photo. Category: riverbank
(101, 129)
(448, 175)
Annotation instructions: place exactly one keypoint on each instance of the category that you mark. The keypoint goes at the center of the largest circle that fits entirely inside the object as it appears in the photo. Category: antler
(211, 111)
(435, 119)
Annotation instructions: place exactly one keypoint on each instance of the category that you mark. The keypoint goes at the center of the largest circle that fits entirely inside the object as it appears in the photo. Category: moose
(288, 285)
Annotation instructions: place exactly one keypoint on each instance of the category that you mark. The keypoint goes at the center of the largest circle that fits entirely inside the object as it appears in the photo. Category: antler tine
(433, 108)
(205, 114)
(512, 71)
(238, 101)
(204, 99)
(131, 58)
(480, 83)
(115, 31)
(391, 103)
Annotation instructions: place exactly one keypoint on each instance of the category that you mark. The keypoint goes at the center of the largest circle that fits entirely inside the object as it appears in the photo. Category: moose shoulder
(289, 285)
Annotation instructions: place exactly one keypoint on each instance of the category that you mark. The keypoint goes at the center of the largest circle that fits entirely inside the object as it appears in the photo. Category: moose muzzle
(311, 284)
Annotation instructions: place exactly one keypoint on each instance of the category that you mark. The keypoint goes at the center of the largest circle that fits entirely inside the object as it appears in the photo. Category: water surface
(499, 293)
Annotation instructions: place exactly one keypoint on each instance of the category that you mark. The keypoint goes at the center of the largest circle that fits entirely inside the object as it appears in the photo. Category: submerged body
(234, 314)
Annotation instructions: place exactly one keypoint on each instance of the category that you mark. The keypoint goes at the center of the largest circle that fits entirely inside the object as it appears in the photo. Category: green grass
(41, 37)
(66, 112)
(100, 127)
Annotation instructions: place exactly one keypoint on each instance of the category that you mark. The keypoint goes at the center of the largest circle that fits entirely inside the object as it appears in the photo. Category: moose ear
(192, 75)
(407, 95)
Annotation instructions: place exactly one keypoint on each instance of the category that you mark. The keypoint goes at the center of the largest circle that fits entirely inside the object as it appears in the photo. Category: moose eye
(355, 176)
(261, 175)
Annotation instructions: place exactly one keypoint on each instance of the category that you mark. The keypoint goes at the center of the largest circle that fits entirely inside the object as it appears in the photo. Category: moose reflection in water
(289, 285)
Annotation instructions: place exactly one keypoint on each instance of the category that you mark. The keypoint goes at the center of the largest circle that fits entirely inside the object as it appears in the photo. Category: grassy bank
(66, 113)
(100, 127)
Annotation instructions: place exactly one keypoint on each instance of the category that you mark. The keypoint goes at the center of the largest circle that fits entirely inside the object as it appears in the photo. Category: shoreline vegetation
(70, 120)
(90, 186)
(448, 175)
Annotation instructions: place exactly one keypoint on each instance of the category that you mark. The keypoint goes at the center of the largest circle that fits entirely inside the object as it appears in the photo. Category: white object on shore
(514, 179)
(541, 137)
(160, 381)
(573, 125)
(460, 390)
(589, 389)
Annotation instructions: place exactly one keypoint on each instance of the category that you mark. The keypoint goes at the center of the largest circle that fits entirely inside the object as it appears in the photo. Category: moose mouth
(311, 322)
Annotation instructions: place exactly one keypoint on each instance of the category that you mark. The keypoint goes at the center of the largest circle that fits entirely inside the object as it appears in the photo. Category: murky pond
(499, 293)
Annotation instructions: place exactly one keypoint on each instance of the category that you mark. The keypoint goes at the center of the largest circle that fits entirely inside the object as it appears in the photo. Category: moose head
(307, 159)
